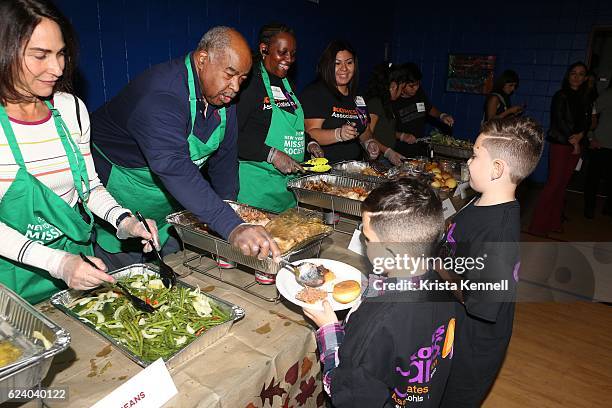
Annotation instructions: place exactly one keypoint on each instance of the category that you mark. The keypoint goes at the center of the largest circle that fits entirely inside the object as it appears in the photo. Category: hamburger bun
(346, 291)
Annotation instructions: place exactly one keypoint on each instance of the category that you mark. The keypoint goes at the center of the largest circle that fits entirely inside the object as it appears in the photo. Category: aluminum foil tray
(451, 151)
(193, 234)
(330, 201)
(353, 169)
(18, 322)
(62, 299)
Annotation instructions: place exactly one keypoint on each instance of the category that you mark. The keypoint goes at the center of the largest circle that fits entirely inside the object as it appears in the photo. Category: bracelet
(338, 134)
(122, 217)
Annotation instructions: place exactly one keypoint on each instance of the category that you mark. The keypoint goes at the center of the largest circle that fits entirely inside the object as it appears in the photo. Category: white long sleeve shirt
(45, 159)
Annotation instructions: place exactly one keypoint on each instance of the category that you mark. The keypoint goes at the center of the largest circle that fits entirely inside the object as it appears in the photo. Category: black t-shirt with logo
(411, 113)
(485, 320)
(255, 114)
(319, 102)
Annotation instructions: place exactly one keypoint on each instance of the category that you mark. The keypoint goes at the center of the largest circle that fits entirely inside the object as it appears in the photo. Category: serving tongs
(167, 274)
(316, 165)
(306, 273)
(135, 300)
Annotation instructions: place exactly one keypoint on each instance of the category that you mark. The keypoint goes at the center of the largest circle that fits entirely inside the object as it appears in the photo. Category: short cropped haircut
(406, 210)
(216, 39)
(18, 19)
(517, 141)
(412, 72)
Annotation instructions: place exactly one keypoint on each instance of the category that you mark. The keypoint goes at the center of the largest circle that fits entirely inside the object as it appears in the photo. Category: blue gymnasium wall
(121, 38)
(537, 38)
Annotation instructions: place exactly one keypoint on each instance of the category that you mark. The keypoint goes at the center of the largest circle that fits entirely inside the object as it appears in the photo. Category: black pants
(600, 166)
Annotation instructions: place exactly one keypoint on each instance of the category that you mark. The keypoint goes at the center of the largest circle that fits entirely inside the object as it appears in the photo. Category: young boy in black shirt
(488, 228)
(395, 347)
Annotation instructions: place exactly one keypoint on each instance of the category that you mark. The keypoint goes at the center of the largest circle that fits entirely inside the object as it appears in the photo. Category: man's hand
(321, 317)
(254, 240)
(284, 163)
(130, 227)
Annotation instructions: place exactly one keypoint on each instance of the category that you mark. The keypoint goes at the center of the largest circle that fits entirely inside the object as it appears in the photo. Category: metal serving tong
(167, 274)
(317, 165)
(306, 273)
(135, 300)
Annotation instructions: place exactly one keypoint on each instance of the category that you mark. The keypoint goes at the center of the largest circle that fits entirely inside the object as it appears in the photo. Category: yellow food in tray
(291, 228)
(8, 353)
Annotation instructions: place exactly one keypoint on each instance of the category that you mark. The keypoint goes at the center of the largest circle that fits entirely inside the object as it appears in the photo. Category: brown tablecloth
(266, 360)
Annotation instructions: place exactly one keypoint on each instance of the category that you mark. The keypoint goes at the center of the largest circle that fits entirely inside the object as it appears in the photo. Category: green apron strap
(192, 92)
(75, 158)
(10, 138)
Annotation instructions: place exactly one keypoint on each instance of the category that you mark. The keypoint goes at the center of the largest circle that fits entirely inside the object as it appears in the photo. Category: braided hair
(267, 33)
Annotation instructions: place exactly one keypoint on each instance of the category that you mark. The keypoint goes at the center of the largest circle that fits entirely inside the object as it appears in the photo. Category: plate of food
(342, 288)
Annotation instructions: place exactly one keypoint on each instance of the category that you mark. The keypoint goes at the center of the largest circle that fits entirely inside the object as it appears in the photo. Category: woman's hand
(394, 157)
(315, 150)
(347, 132)
(79, 275)
(284, 163)
(321, 317)
(514, 110)
(372, 148)
(407, 138)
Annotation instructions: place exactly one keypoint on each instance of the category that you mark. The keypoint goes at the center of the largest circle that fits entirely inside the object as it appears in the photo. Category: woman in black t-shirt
(335, 116)
(411, 111)
(384, 87)
(271, 139)
(497, 104)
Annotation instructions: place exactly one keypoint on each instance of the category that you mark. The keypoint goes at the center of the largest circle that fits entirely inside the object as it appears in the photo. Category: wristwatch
(122, 217)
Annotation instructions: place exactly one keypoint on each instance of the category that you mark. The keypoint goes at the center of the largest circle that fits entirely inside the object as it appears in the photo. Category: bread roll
(346, 291)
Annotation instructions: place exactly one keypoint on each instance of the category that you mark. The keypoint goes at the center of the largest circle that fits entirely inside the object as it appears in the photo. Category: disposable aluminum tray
(62, 299)
(194, 236)
(18, 322)
(353, 169)
(450, 151)
(330, 201)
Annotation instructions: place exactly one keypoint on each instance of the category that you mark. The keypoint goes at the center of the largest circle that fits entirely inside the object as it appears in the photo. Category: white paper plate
(288, 287)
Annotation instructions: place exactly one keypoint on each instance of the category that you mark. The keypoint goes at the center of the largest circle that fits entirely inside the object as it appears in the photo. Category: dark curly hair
(18, 19)
(380, 81)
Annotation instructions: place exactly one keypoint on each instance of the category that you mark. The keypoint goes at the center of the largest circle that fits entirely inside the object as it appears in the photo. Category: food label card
(448, 208)
(150, 388)
(461, 190)
(356, 244)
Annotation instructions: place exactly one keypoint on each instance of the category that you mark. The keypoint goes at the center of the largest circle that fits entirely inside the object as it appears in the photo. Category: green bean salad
(182, 314)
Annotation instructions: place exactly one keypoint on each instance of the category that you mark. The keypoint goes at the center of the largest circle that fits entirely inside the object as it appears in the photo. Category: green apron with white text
(261, 184)
(139, 189)
(34, 210)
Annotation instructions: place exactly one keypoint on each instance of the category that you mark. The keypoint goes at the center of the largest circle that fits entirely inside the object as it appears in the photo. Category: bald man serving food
(152, 139)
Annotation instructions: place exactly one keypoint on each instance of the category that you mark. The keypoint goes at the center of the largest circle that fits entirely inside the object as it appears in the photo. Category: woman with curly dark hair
(385, 86)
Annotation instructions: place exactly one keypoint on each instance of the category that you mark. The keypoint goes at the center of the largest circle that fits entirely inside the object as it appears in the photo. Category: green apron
(35, 211)
(261, 184)
(139, 189)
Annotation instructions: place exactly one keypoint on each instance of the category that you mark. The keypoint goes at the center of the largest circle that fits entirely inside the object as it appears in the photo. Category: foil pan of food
(185, 320)
(298, 233)
(333, 192)
(360, 170)
(28, 343)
